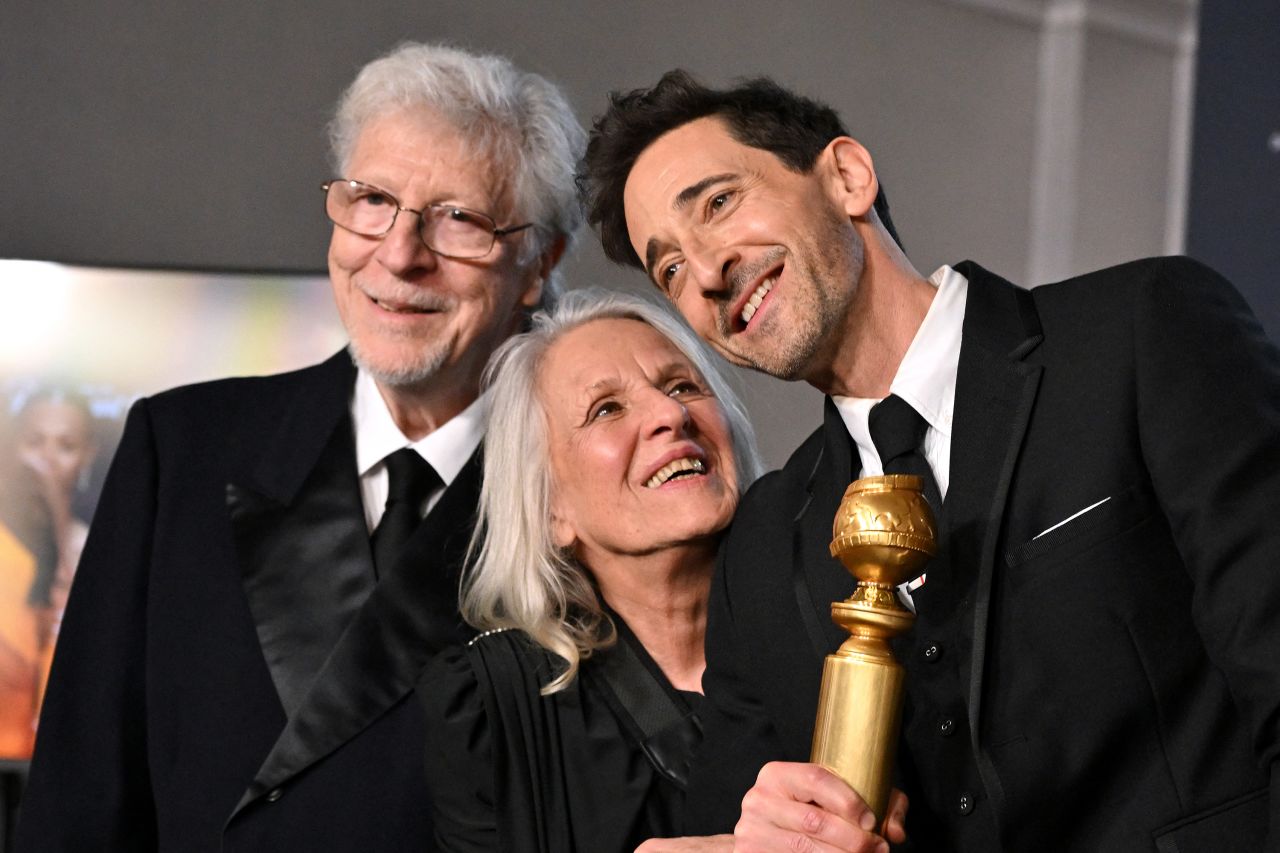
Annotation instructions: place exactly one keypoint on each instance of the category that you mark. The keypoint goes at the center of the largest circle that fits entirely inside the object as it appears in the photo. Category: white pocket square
(1071, 517)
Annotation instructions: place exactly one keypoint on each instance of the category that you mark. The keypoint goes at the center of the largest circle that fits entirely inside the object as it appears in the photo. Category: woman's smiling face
(641, 452)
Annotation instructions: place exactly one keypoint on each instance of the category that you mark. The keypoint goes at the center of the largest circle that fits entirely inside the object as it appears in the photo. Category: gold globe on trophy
(884, 534)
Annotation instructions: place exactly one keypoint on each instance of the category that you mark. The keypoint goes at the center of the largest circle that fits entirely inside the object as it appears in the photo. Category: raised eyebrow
(651, 250)
(692, 191)
(682, 199)
(681, 369)
(599, 390)
(369, 185)
(594, 395)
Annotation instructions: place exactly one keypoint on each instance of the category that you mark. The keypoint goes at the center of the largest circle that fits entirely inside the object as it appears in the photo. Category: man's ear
(851, 174)
(547, 261)
(552, 254)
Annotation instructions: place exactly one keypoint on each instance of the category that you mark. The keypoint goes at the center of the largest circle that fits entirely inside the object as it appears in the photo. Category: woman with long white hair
(614, 459)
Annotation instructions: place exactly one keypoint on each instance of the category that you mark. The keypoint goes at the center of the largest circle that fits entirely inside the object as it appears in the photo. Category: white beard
(416, 372)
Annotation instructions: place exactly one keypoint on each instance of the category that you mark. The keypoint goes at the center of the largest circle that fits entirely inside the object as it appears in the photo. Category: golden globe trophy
(884, 535)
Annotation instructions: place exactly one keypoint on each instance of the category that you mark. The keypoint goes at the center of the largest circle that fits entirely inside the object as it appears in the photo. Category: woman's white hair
(516, 118)
(520, 578)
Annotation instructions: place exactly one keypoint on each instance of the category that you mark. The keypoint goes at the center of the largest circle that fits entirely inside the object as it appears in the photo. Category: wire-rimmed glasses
(446, 229)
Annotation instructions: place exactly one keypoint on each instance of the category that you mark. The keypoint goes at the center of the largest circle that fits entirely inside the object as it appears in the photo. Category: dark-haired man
(1095, 664)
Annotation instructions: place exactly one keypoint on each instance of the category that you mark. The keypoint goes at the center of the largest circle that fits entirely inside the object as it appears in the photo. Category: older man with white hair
(275, 559)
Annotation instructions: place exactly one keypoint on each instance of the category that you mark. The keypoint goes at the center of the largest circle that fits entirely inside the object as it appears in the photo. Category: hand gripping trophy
(884, 533)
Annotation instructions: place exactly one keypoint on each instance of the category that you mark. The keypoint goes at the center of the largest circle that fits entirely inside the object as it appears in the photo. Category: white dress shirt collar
(447, 448)
(926, 379)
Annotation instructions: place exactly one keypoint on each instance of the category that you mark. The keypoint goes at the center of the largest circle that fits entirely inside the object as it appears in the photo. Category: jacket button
(947, 727)
(274, 794)
(964, 805)
(932, 652)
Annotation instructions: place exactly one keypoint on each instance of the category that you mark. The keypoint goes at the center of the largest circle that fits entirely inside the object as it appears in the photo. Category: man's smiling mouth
(749, 310)
(399, 309)
(762, 276)
(420, 304)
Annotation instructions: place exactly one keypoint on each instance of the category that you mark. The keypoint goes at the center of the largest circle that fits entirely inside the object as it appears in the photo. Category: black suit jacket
(1120, 675)
(229, 675)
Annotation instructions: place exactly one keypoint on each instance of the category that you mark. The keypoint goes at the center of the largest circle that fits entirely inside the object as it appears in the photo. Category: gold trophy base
(860, 706)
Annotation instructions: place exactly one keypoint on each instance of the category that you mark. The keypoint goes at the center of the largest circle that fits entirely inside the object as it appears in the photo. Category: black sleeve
(459, 756)
(738, 735)
(90, 787)
(1206, 366)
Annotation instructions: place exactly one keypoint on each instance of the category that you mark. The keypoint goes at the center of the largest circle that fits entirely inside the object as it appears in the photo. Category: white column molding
(1165, 23)
(1055, 159)
(1063, 29)
(1157, 22)
(1180, 131)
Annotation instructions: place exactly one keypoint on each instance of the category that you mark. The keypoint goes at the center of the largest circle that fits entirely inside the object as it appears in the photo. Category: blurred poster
(77, 346)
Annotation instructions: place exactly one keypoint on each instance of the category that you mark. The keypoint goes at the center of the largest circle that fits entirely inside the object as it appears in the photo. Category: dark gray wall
(190, 134)
(1233, 221)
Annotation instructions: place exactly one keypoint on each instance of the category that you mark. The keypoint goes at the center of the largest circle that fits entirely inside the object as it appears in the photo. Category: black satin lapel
(995, 395)
(411, 614)
(987, 438)
(819, 578)
(309, 413)
(305, 565)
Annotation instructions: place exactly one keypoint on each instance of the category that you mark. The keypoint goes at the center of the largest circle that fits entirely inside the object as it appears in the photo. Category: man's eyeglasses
(454, 232)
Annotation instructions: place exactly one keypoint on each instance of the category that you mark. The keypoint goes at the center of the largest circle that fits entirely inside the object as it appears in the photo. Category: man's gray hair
(520, 578)
(516, 118)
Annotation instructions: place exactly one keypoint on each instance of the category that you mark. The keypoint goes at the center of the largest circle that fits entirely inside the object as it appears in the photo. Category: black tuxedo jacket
(1118, 678)
(229, 676)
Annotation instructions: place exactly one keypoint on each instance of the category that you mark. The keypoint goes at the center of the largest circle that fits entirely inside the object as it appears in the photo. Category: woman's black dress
(597, 767)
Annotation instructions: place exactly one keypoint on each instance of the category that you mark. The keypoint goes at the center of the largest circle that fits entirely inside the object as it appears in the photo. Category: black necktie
(898, 432)
(411, 479)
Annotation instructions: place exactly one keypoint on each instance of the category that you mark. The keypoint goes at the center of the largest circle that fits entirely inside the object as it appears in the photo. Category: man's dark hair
(757, 112)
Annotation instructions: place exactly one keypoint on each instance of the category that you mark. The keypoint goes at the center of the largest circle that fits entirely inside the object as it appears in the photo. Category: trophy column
(884, 535)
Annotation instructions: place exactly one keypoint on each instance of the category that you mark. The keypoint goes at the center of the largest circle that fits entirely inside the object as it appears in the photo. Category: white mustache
(415, 299)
